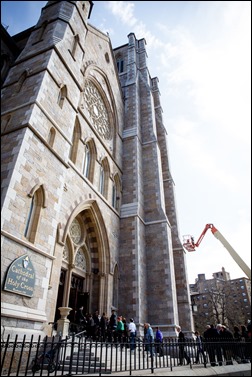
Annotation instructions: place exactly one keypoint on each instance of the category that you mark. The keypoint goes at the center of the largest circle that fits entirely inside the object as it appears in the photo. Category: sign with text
(20, 277)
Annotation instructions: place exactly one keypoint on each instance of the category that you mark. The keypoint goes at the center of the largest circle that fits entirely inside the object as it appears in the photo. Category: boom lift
(190, 245)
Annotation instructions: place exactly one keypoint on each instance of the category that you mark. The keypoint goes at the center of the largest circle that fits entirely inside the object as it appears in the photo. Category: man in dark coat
(212, 337)
(226, 337)
(182, 352)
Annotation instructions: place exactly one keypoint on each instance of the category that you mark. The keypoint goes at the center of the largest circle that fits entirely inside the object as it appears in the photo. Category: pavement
(196, 370)
(185, 371)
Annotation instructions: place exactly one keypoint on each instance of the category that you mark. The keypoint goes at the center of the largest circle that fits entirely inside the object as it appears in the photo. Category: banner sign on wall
(20, 277)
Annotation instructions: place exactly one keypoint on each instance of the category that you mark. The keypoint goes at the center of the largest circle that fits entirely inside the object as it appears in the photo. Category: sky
(201, 53)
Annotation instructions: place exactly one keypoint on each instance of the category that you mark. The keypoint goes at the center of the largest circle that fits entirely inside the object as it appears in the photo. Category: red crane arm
(190, 245)
(208, 226)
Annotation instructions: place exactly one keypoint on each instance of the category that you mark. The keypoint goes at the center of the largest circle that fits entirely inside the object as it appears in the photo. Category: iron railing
(78, 355)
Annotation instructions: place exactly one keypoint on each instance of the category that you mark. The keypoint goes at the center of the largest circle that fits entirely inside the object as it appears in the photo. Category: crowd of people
(219, 344)
(103, 328)
(214, 342)
(223, 345)
(115, 329)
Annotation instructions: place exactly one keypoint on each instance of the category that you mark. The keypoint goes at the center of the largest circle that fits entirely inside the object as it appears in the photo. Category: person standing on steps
(132, 334)
(159, 341)
(149, 339)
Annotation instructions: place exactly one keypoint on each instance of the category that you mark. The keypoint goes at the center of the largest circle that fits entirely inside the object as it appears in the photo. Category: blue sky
(201, 53)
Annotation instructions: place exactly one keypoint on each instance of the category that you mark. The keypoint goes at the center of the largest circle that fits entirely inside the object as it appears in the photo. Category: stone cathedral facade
(88, 208)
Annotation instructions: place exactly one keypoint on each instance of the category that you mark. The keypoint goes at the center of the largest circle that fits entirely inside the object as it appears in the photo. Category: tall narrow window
(116, 193)
(37, 202)
(75, 44)
(5, 122)
(51, 137)
(29, 217)
(75, 141)
(21, 81)
(62, 96)
(102, 179)
(120, 65)
(87, 161)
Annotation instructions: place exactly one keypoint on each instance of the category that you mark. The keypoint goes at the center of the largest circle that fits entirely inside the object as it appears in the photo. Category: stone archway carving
(85, 231)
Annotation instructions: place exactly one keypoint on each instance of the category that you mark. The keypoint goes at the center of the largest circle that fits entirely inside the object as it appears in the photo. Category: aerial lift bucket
(188, 243)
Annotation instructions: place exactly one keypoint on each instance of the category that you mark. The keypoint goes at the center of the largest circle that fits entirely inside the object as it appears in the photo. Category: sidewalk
(197, 370)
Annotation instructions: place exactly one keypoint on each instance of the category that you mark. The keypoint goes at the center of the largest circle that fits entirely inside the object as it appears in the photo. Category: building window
(21, 80)
(30, 215)
(75, 141)
(97, 109)
(104, 178)
(75, 44)
(116, 193)
(37, 202)
(107, 57)
(87, 160)
(62, 95)
(5, 122)
(120, 65)
(51, 137)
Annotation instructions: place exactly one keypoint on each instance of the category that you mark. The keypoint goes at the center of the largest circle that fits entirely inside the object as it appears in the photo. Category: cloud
(209, 78)
(124, 11)
(217, 74)
(204, 70)
(193, 145)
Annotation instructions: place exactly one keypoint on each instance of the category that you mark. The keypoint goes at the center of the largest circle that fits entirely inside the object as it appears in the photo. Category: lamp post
(193, 305)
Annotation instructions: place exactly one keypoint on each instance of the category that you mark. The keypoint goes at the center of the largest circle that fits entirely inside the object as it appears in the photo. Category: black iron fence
(78, 355)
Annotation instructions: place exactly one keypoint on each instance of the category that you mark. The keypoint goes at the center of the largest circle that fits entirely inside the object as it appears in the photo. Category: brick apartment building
(220, 300)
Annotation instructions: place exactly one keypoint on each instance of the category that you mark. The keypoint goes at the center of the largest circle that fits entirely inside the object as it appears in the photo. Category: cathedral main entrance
(77, 297)
(85, 265)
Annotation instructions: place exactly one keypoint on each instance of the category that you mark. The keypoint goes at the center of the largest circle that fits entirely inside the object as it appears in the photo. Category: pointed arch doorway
(85, 263)
(77, 296)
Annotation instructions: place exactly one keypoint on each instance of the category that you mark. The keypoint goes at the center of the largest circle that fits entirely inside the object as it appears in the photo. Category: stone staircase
(83, 364)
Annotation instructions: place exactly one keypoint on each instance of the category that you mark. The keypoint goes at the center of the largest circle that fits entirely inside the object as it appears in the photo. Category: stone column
(63, 322)
(102, 293)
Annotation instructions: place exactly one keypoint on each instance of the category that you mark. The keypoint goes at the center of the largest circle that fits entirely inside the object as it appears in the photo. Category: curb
(198, 370)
